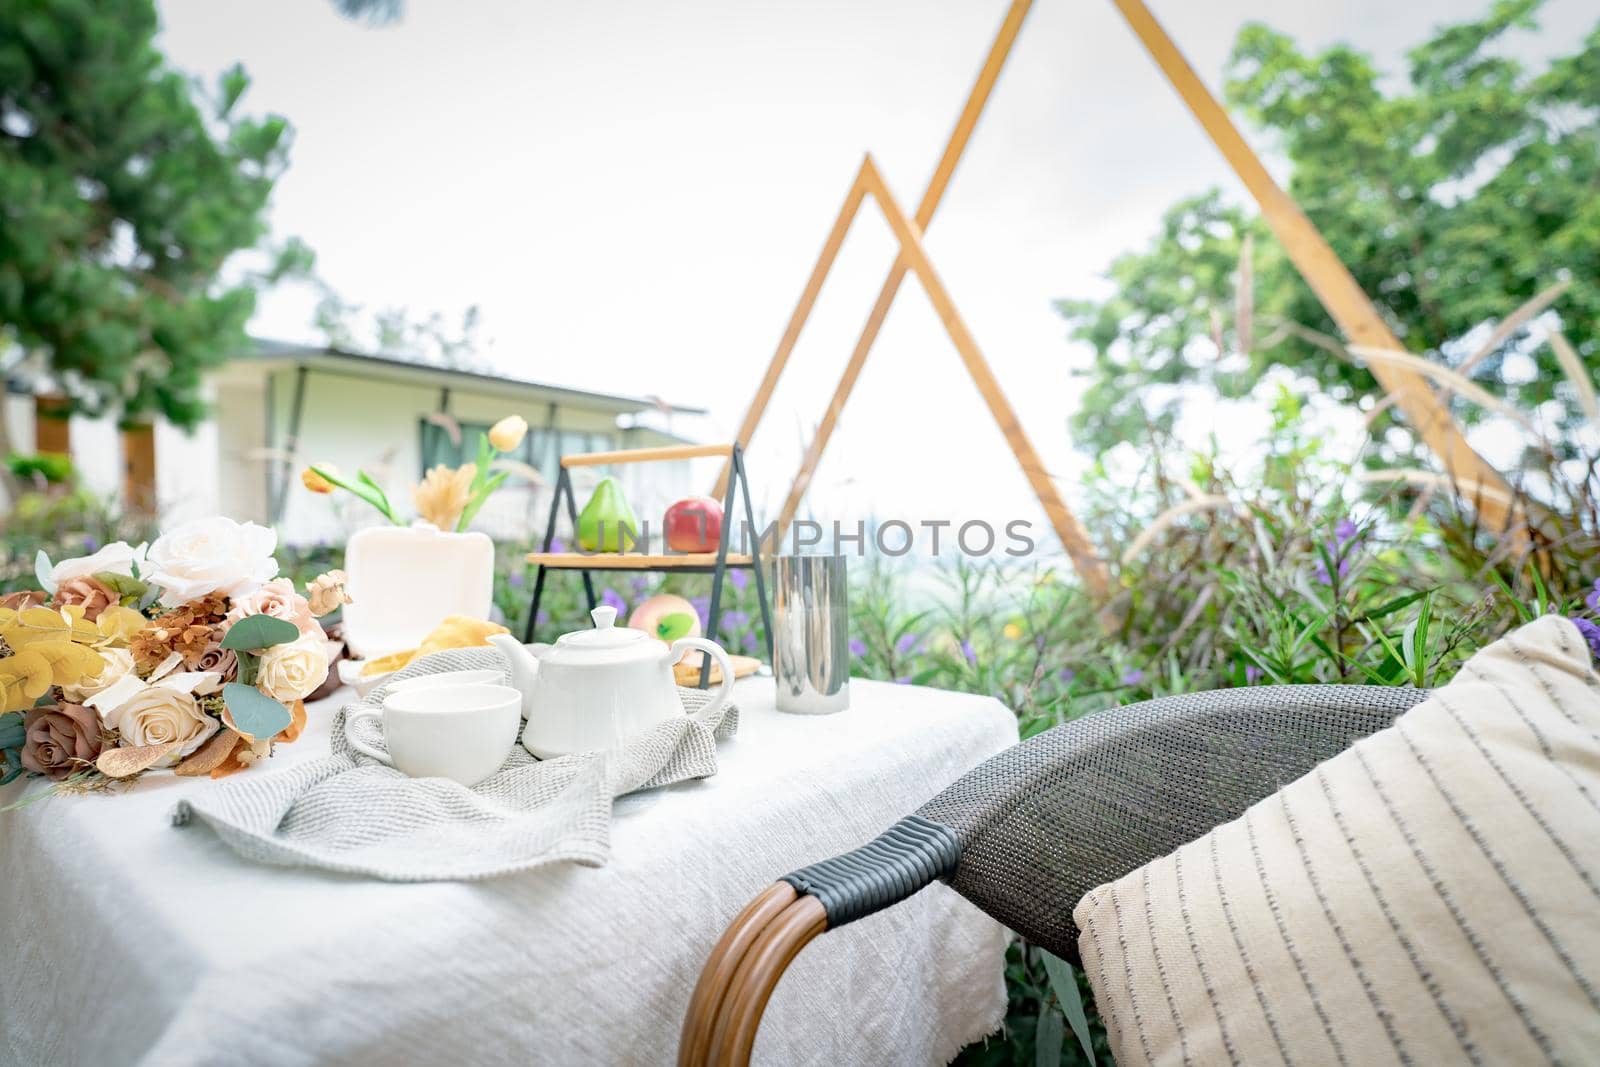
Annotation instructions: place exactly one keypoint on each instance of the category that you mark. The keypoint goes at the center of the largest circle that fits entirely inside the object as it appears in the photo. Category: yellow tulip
(316, 482)
(507, 434)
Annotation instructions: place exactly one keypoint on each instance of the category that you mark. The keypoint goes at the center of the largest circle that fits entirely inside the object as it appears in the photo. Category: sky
(634, 192)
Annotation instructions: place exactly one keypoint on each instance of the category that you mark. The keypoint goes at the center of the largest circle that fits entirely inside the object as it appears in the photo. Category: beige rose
(91, 594)
(158, 715)
(115, 665)
(278, 599)
(293, 671)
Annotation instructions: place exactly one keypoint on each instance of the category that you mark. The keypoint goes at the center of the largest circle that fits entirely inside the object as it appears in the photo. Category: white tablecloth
(124, 939)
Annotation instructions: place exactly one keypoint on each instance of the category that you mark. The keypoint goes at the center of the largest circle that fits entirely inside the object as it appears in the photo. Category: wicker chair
(1027, 833)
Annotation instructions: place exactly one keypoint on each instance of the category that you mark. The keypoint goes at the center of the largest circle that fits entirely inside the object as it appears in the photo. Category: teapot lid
(606, 636)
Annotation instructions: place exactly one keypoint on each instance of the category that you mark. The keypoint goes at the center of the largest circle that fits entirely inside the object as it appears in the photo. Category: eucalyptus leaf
(249, 667)
(255, 632)
(254, 713)
(12, 775)
(1064, 983)
(12, 733)
(42, 568)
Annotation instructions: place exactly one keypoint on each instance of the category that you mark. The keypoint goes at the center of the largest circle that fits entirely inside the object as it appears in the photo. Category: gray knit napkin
(352, 814)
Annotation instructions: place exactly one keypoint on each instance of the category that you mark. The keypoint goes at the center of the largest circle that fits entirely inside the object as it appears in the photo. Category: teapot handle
(713, 709)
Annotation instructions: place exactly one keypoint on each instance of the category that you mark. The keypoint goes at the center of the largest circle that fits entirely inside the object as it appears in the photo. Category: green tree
(125, 191)
(1453, 201)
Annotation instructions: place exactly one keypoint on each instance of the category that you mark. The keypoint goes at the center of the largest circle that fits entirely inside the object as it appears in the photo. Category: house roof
(394, 368)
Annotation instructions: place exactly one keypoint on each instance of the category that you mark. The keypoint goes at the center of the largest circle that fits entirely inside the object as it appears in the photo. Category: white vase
(405, 580)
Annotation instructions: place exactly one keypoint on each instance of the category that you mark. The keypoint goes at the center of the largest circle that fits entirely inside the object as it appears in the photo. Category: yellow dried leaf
(12, 697)
(29, 671)
(127, 762)
(36, 624)
(116, 627)
(69, 663)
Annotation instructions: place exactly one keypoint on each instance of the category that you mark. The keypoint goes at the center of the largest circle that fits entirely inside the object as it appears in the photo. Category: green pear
(606, 522)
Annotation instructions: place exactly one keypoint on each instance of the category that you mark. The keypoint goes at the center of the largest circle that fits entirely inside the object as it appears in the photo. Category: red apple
(693, 524)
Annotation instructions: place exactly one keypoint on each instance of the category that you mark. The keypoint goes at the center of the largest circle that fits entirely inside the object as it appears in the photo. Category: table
(124, 939)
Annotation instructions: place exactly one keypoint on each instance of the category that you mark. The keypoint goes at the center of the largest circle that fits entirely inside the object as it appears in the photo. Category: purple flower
(858, 648)
(1345, 532)
(1591, 634)
(558, 545)
(1133, 677)
(1066, 674)
(516, 580)
(735, 620)
(904, 679)
(739, 578)
(907, 644)
(968, 653)
(702, 608)
(90, 545)
(748, 641)
(638, 586)
(1321, 569)
(1252, 674)
(1593, 599)
(612, 599)
(542, 619)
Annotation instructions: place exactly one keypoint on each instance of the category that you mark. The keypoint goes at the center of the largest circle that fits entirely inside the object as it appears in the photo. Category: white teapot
(594, 689)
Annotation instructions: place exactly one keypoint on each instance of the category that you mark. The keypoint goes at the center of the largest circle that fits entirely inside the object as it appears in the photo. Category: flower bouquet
(189, 653)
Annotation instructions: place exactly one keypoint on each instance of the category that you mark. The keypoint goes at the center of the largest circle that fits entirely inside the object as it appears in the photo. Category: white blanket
(124, 940)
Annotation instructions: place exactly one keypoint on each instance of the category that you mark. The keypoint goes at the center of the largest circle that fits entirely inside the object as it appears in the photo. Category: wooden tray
(688, 671)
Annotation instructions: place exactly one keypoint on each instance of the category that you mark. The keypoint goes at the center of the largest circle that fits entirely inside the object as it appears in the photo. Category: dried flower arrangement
(447, 497)
(189, 653)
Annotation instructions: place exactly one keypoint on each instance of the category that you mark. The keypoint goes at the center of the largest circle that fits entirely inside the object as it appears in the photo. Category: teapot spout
(521, 666)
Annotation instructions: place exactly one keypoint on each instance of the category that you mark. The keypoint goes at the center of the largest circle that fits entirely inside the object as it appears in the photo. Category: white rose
(116, 558)
(157, 715)
(292, 671)
(115, 665)
(214, 555)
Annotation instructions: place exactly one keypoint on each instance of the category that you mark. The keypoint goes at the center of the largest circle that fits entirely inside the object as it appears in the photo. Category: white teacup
(444, 679)
(462, 733)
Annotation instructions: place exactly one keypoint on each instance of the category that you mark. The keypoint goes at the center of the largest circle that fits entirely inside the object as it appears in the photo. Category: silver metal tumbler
(811, 634)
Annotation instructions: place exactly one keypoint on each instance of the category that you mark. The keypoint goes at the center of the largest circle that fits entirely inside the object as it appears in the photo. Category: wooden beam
(1320, 266)
(953, 149)
(1090, 567)
(644, 455)
(791, 333)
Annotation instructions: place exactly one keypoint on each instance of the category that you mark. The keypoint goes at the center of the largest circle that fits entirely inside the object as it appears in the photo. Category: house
(281, 406)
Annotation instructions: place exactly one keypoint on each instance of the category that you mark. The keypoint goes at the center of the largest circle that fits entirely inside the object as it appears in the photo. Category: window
(437, 447)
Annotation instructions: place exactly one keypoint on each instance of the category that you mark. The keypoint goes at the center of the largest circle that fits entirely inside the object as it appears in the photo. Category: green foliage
(126, 188)
(256, 632)
(1452, 201)
(52, 468)
(254, 713)
(62, 525)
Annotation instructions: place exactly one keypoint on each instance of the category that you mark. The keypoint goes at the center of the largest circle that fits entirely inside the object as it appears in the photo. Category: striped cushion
(1431, 895)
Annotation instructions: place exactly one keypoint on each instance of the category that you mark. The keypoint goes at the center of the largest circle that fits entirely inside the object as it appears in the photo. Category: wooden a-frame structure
(1357, 317)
